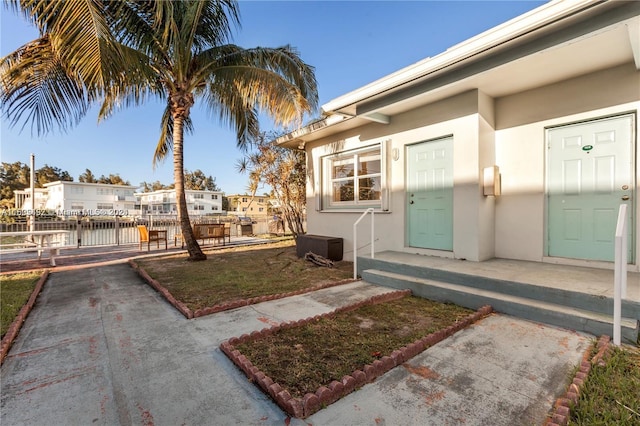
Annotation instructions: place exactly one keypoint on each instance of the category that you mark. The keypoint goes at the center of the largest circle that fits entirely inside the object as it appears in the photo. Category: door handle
(625, 197)
(411, 202)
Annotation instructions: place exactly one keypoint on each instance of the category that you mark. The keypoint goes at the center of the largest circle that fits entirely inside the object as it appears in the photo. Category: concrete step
(560, 296)
(560, 315)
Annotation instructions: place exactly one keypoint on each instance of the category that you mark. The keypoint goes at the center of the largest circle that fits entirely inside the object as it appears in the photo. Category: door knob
(411, 202)
(625, 197)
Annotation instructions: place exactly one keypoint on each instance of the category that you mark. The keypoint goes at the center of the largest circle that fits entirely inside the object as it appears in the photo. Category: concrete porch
(572, 297)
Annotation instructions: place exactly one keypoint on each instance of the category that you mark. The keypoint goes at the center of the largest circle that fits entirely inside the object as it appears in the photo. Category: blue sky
(350, 44)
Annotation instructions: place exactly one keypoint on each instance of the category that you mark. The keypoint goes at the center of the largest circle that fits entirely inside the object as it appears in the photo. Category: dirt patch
(311, 363)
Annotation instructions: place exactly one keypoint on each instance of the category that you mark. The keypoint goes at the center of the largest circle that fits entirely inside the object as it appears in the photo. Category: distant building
(100, 199)
(73, 198)
(246, 205)
(164, 202)
(22, 198)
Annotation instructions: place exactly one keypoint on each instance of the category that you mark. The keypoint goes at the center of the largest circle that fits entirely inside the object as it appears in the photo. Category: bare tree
(284, 171)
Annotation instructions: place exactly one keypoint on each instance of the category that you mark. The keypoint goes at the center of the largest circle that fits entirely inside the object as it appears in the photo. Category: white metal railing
(355, 240)
(620, 272)
(122, 230)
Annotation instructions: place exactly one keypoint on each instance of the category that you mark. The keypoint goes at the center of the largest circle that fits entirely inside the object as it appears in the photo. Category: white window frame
(327, 202)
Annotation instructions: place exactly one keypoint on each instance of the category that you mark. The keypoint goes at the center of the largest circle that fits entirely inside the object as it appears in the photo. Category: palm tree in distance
(177, 51)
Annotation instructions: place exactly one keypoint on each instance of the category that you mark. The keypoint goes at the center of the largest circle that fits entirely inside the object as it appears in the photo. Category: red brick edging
(562, 408)
(15, 326)
(163, 291)
(189, 314)
(325, 395)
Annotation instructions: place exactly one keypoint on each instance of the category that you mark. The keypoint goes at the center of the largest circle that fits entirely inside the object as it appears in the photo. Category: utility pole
(32, 188)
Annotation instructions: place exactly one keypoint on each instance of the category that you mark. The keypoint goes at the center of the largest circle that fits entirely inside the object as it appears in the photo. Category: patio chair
(150, 235)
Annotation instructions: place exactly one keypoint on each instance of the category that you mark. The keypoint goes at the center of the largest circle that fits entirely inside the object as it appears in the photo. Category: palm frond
(80, 34)
(273, 80)
(232, 110)
(37, 88)
(165, 143)
(133, 88)
(283, 61)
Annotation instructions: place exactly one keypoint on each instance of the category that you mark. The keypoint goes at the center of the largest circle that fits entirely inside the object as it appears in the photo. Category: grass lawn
(15, 290)
(240, 273)
(611, 393)
(301, 359)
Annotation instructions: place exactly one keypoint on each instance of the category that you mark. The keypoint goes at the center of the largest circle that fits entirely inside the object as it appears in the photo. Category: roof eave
(521, 25)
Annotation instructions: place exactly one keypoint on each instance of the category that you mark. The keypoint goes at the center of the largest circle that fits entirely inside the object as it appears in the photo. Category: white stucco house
(69, 198)
(164, 202)
(519, 143)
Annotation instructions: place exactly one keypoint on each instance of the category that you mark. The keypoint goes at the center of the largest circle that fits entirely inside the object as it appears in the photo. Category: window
(353, 179)
(244, 199)
(105, 206)
(199, 196)
(214, 207)
(198, 207)
(214, 196)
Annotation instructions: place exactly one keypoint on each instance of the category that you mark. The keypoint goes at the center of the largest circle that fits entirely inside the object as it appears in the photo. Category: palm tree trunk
(195, 252)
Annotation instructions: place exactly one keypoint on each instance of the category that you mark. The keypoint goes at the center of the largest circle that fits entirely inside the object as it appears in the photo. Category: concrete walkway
(101, 347)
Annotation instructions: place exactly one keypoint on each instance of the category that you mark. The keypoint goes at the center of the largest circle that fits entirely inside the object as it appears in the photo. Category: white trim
(324, 184)
(633, 27)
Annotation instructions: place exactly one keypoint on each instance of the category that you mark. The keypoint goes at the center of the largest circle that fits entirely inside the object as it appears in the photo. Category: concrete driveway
(101, 347)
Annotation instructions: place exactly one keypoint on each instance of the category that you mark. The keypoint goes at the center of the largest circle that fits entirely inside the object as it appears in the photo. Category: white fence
(122, 230)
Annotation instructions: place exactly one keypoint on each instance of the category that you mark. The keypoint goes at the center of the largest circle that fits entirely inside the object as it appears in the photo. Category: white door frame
(633, 176)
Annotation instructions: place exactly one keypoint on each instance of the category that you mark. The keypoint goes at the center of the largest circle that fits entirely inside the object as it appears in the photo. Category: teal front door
(590, 173)
(430, 194)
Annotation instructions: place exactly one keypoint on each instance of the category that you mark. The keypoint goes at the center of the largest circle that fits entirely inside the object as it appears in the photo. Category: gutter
(313, 127)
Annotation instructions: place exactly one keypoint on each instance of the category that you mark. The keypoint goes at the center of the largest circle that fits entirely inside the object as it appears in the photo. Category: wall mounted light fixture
(491, 182)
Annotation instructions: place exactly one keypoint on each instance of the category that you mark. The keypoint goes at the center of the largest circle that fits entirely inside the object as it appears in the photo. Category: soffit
(546, 67)
(574, 46)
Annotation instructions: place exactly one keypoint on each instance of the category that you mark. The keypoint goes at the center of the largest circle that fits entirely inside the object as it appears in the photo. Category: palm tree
(50, 82)
(180, 52)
